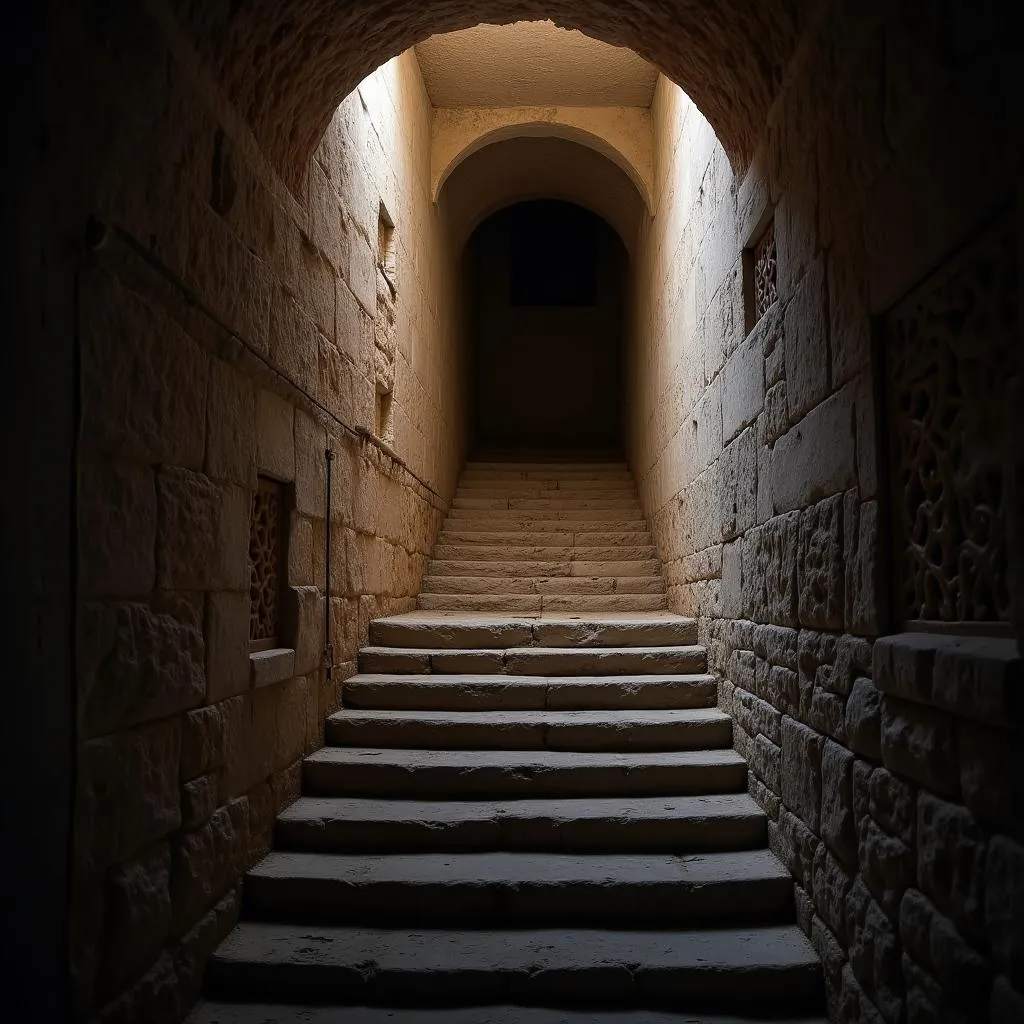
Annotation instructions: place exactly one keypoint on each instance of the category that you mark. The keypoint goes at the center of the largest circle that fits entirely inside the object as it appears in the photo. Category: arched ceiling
(286, 64)
(540, 168)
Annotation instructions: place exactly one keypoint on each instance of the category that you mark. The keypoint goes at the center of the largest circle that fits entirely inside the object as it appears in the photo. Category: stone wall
(886, 765)
(226, 329)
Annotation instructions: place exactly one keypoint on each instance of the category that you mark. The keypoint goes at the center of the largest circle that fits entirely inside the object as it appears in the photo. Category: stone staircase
(541, 537)
(532, 817)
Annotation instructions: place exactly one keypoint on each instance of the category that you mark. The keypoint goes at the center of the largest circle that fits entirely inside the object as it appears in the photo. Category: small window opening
(760, 268)
(266, 554)
(387, 258)
(384, 426)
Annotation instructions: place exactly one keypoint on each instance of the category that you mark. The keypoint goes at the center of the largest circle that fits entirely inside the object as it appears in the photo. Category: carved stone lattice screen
(764, 266)
(951, 348)
(265, 565)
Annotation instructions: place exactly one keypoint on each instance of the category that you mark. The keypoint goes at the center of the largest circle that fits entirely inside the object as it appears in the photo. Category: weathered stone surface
(980, 678)
(775, 419)
(198, 943)
(147, 665)
(893, 805)
(275, 435)
(801, 771)
(861, 791)
(230, 435)
(830, 885)
(202, 741)
(854, 1007)
(777, 645)
(310, 472)
(738, 483)
(116, 527)
(758, 716)
(198, 801)
(903, 665)
(853, 659)
(816, 654)
(227, 644)
(1004, 904)
(127, 793)
(887, 866)
(919, 743)
(933, 942)
(769, 570)
(838, 828)
(951, 853)
(863, 719)
(742, 388)
(875, 954)
(302, 623)
(807, 373)
(143, 380)
(862, 591)
(827, 714)
(203, 536)
(765, 759)
(990, 779)
(732, 579)
(924, 999)
(830, 951)
(137, 915)
(797, 847)
(820, 565)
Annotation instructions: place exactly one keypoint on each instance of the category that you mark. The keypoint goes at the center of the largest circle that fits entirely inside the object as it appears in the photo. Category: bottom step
(727, 969)
(249, 1013)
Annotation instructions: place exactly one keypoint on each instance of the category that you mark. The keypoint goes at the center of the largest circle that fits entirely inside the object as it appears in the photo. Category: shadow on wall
(547, 289)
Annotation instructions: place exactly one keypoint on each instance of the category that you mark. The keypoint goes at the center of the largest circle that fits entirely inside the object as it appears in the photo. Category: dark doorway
(547, 284)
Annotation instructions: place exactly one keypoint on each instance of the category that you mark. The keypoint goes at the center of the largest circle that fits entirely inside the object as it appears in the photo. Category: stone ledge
(273, 666)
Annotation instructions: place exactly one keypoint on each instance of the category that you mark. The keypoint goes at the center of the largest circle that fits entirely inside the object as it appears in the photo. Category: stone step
(658, 729)
(482, 567)
(730, 968)
(552, 538)
(504, 888)
(457, 552)
(552, 471)
(583, 603)
(512, 522)
(566, 464)
(561, 515)
(522, 693)
(463, 774)
(591, 586)
(538, 661)
(539, 604)
(517, 604)
(546, 489)
(672, 824)
(501, 632)
(558, 502)
(216, 1012)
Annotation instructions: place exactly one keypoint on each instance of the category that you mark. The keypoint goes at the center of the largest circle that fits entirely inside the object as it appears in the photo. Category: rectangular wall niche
(384, 329)
(759, 268)
(951, 347)
(266, 553)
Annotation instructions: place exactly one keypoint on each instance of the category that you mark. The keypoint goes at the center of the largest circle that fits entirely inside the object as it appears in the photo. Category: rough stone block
(769, 570)
(951, 852)
(854, 1007)
(198, 801)
(861, 791)
(920, 743)
(127, 793)
(820, 565)
(732, 579)
(779, 686)
(776, 644)
(302, 623)
(875, 955)
(893, 805)
(203, 536)
(853, 659)
(362, 274)
(293, 341)
(275, 436)
(807, 351)
(742, 387)
(990, 776)
(830, 886)
(738, 481)
(227, 644)
(796, 847)
(310, 472)
(202, 740)
(1004, 904)
(816, 457)
(862, 591)
(863, 722)
(816, 655)
(903, 665)
(141, 665)
(758, 716)
(230, 422)
(849, 308)
(765, 759)
(980, 678)
(838, 828)
(117, 517)
(197, 945)
(801, 771)
(827, 714)
(887, 866)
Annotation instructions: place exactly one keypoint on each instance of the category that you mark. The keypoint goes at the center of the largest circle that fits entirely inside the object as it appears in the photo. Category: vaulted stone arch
(286, 65)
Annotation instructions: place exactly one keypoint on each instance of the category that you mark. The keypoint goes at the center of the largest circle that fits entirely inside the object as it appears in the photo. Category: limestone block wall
(226, 331)
(886, 763)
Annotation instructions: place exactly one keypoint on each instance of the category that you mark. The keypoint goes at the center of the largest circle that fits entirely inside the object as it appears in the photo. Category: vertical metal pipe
(328, 646)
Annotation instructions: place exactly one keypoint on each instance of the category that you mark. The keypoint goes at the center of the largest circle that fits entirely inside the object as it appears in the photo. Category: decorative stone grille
(950, 350)
(764, 268)
(264, 564)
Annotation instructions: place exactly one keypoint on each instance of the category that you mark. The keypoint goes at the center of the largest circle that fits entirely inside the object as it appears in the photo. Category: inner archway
(547, 289)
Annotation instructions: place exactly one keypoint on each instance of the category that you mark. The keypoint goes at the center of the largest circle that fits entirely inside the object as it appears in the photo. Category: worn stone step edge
(535, 525)
(493, 774)
(580, 586)
(460, 692)
(732, 967)
(540, 603)
(500, 888)
(523, 567)
(676, 824)
(550, 538)
(664, 729)
(456, 552)
(537, 660)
